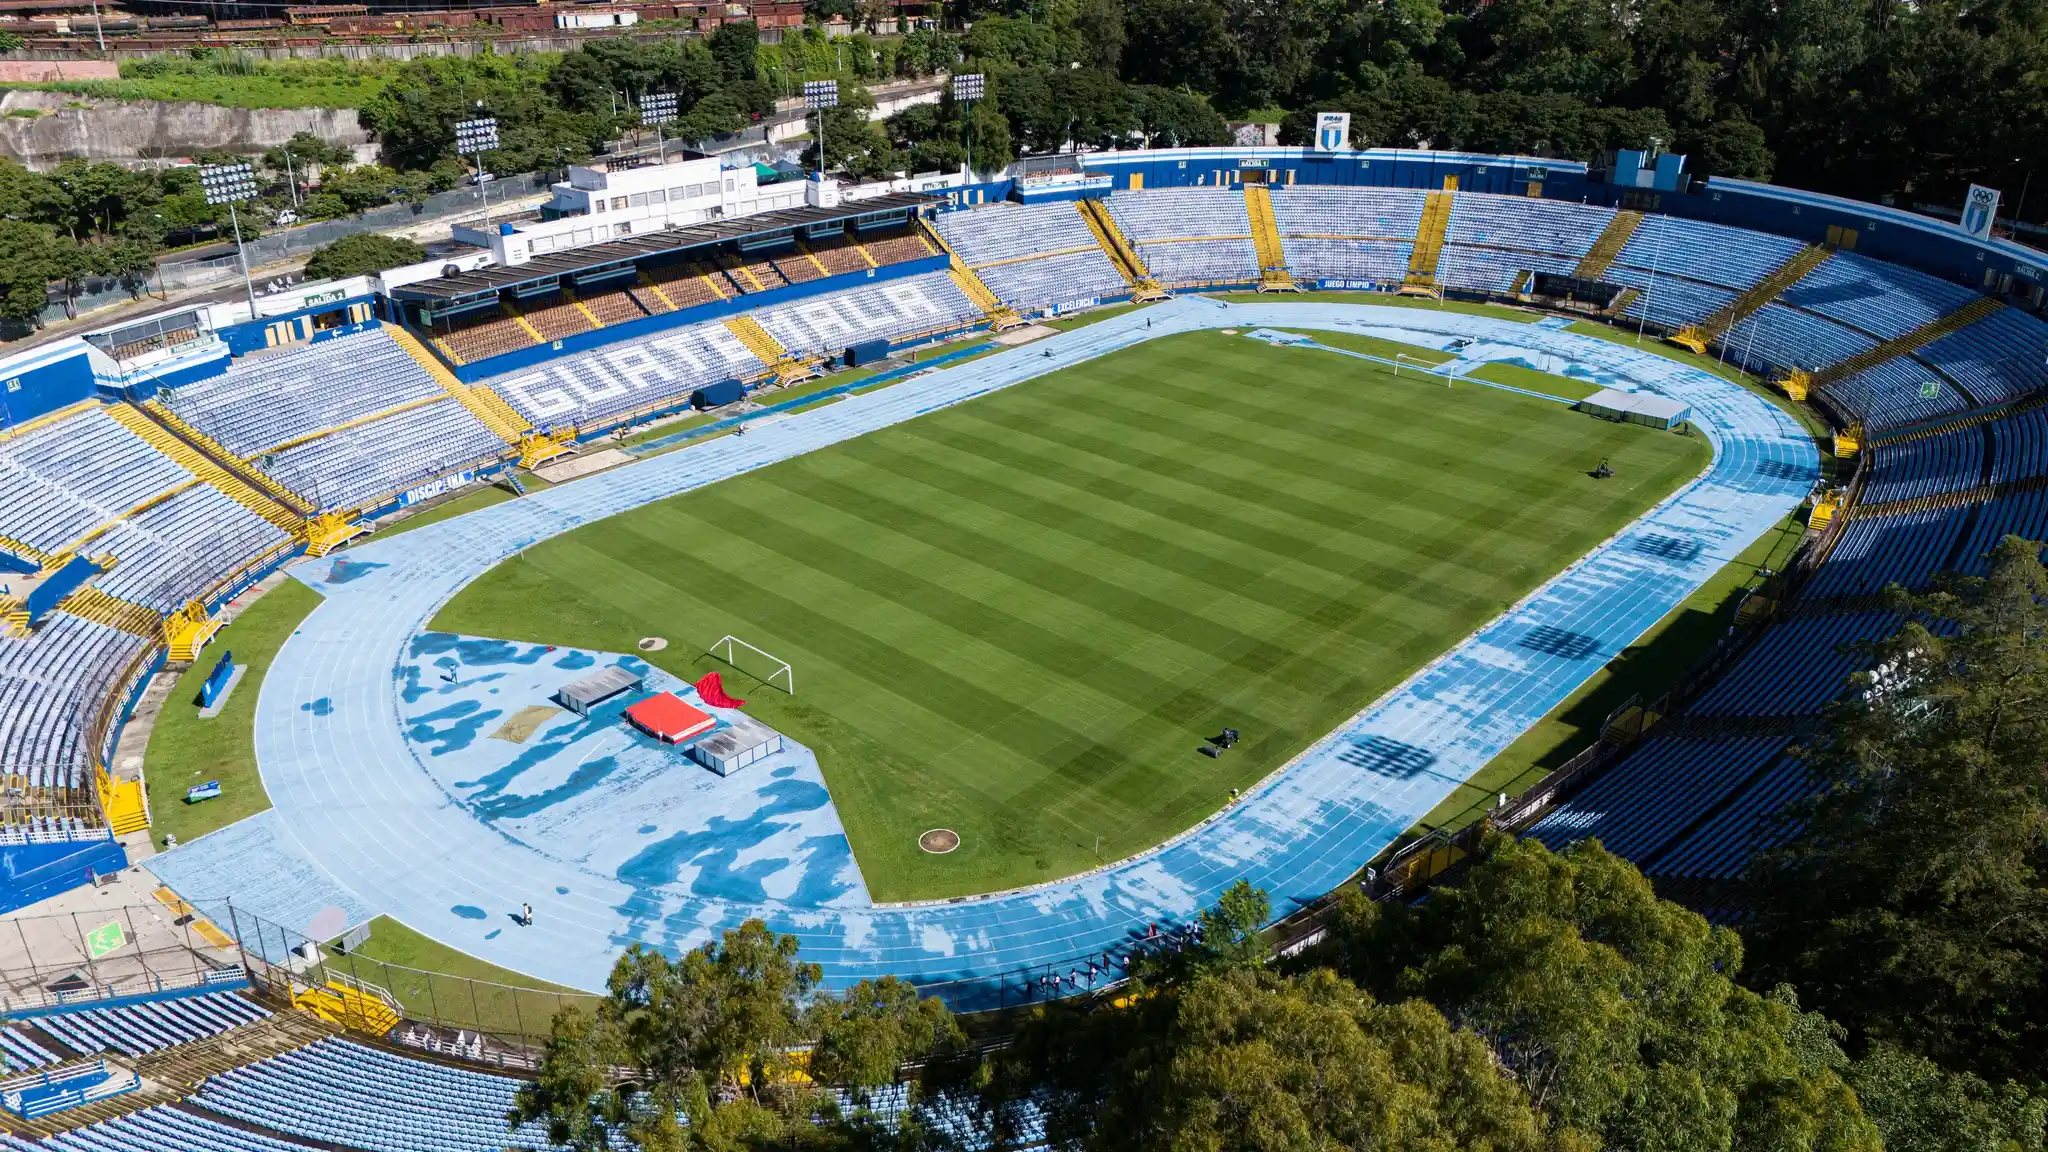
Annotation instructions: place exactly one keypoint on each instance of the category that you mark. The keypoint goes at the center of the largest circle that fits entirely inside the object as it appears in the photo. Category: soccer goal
(1420, 365)
(727, 649)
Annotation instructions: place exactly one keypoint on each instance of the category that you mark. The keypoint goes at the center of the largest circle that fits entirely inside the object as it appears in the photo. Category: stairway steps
(501, 418)
(1612, 239)
(1258, 204)
(1429, 240)
(765, 347)
(1899, 346)
(1768, 289)
(209, 460)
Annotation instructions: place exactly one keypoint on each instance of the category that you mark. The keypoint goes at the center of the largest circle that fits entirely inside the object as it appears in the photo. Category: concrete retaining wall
(71, 127)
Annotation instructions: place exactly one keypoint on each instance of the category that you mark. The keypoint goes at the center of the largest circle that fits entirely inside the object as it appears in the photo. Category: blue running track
(355, 802)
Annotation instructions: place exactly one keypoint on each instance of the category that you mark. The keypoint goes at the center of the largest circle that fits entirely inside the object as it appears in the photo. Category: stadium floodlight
(232, 184)
(967, 88)
(821, 94)
(474, 137)
(478, 135)
(657, 109)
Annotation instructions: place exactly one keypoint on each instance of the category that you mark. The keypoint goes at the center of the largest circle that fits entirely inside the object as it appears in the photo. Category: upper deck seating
(1733, 258)
(138, 1029)
(285, 396)
(1883, 300)
(1523, 224)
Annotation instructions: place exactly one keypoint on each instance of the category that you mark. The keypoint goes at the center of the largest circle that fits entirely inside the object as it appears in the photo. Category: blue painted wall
(45, 387)
(51, 592)
(1381, 168)
(649, 325)
(32, 872)
(248, 336)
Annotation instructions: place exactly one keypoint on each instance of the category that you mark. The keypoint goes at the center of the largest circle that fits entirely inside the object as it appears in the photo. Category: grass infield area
(186, 749)
(1018, 618)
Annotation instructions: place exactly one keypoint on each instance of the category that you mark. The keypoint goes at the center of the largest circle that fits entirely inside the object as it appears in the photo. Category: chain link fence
(499, 1023)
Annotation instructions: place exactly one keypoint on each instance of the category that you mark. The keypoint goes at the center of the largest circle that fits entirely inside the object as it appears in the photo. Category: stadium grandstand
(152, 472)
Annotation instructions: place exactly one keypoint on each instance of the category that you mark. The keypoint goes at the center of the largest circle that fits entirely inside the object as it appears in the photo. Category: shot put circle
(652, 643)
(939, 841)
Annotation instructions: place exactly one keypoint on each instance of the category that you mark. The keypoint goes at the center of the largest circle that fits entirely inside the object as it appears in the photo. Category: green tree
(855, 144)
(28, 255)
(714, 1044)
(31, 196)
(1910, 905)
(935, 137)
(1173, 119)
(1254, 1061)
(360, 254)
(1921, 1108)
(1732, 146)
(1616, 1011)
(733, 46)
(303, 151)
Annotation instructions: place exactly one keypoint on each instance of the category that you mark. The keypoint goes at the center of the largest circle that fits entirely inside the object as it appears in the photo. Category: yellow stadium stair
(450, 353)
(1608, 246)
(1968, 420)
(740, 271)
(13, 617)
(1696, 336)
(570, 294)
(648, 283)
(993, 310)
(123, 803)
(1823, 513)
(330, 530)
(1429, 246)
(337, 1003)
(519, 318)
(786, 368)
(1919, 337)
(101, 608)
(813, 258)
(188, 630)
(501, 418)
(766, 348)
(25, 551)
(1122, 254)
(1273, 274)
(209, 461)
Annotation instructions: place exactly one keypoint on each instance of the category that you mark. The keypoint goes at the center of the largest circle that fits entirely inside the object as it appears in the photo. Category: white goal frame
(783, 670)
(1421, 365)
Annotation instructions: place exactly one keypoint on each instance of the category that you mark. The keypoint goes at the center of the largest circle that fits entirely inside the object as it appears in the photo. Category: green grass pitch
(1018, 618)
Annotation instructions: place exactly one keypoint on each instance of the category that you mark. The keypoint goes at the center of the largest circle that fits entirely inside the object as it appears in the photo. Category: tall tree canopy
(1911, 903)
(1618, 1013)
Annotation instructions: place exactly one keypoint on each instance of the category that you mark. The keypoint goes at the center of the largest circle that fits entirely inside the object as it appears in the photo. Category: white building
(594, 206)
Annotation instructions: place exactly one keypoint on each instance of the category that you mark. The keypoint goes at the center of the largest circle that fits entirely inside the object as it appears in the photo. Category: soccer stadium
(973, 584)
